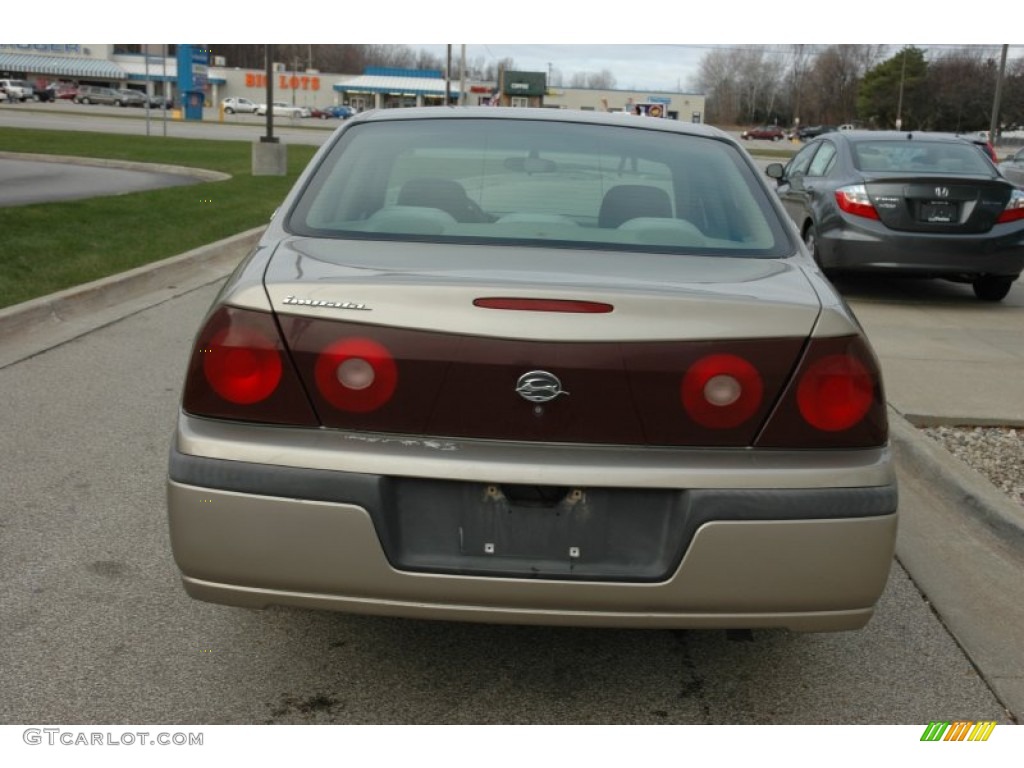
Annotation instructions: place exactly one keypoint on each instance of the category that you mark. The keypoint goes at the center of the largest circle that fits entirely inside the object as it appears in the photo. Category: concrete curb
(962, 542)
(59, 317)
(175, 170)
(964, 486)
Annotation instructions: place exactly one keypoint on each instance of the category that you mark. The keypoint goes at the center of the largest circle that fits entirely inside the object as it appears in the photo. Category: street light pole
(903, 76)
(994, 124)
(269, 138)
(448, 77)
(269, 154)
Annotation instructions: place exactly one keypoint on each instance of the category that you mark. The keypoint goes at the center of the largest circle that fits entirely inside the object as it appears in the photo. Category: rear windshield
(540, 183)
(920, 157)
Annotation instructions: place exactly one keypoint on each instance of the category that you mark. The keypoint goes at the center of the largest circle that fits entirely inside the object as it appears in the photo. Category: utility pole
(903, 76)
(462, 77)
(269, 154)
(994, 124)
(165, 110)
(448, 77)
(269, 138)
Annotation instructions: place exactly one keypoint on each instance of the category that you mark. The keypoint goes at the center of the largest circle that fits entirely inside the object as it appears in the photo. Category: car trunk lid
(587, 347)
(940, 205)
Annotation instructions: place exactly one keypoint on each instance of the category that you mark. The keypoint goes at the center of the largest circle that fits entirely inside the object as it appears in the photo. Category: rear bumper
(808, 559)
(864, 245)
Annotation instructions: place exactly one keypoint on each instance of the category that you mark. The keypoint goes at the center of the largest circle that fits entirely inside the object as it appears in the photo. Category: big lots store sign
(284, 82)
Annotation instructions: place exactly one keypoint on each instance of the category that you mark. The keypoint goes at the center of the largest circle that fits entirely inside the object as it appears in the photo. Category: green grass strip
(52, 246)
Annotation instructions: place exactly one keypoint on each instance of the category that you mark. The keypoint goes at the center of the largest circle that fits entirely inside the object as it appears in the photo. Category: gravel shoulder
(995, 452)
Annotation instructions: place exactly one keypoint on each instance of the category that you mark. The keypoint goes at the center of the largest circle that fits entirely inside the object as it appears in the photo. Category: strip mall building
(183, 72)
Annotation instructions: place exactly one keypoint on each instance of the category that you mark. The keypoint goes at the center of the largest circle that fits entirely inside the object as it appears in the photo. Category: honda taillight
(357, 375)
(854, 200)
(1014, 210)
(721, 391)
(240, 370)
(834, 400)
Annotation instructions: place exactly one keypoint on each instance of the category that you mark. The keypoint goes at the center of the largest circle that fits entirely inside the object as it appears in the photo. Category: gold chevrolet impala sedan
(534, 366)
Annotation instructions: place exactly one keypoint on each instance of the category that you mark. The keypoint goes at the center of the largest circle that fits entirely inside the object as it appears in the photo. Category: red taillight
(721, 391)
(835, 393)
(854, 200)
(356, 375)
(240, 370)
(544, 305)
(242, 365)
(1014, 210)
(834, 400)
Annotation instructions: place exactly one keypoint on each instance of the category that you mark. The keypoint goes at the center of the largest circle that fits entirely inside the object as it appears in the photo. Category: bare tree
(742, 84)
(603, 80)
(716, 78)
(801, 59)
(832, 86)
(961, 86)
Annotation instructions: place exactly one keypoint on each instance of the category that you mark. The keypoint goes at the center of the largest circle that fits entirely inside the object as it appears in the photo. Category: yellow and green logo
(958, 730)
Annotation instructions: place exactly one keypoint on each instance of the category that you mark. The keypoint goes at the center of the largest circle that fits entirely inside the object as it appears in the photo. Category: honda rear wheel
(992, 287)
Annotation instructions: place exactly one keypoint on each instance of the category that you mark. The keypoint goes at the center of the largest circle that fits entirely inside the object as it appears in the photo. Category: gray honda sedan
(534, 366)
(910, 204)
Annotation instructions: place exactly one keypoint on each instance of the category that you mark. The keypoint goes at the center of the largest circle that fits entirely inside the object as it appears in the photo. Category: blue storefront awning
(61, 66)
(414, 86)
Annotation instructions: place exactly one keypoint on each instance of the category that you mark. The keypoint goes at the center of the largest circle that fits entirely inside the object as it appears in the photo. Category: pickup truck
(17, 90)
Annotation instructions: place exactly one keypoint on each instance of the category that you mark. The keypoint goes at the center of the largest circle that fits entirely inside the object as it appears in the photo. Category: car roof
(857, 136)
(545, 115)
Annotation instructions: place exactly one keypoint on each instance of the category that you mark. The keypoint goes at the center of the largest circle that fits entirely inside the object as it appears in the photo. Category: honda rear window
(919, 157)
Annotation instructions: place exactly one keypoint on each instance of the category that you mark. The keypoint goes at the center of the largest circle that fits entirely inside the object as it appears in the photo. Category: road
(96, 628)
(125, 120)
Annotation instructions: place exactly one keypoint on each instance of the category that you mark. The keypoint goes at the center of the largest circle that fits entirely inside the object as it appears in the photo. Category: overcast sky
(570, 35)
(635, 67)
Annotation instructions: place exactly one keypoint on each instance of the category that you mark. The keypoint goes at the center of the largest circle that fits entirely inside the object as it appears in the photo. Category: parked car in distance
(1013, 167)
(338, 111)
(96, 94)
(284, 109)
(810, 131)
(17, 90)
(235, 104)
(158, 101)
(981, 141)
(906, 203)
(44, 92)
(67, 91)
(471, 373)
(131, 98)
(772, 132)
